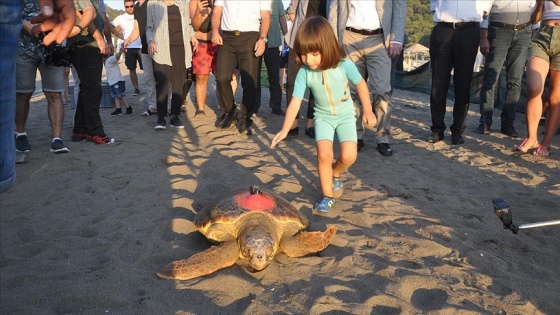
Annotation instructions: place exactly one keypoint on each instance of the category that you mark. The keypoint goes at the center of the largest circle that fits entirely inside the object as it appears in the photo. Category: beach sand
(85, 232)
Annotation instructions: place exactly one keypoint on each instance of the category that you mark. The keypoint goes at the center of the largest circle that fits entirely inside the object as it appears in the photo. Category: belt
(458, 25)
(506, 26)
(365, 32)
(237, 33)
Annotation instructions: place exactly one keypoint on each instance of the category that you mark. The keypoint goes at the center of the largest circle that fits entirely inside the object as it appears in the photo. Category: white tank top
(551, 11)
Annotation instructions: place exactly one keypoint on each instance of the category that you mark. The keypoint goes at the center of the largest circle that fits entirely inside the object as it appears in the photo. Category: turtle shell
(223, 217)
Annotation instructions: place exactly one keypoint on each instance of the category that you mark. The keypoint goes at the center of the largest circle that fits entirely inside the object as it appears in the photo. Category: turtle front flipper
(305, 243)
(204, 263)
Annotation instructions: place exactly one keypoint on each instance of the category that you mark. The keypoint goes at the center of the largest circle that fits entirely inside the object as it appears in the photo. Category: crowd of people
(342, 51)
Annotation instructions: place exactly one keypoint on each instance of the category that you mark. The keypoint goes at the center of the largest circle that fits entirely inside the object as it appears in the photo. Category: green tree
(419, 22)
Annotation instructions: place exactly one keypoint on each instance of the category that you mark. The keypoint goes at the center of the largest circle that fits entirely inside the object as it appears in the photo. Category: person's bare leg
(537, 70)
(56, 112)
(134, 78)
(348, 155)
(325, 158)
(22, 110)
(125, 101)
(66, 84)
(553, 117)
(201, 90)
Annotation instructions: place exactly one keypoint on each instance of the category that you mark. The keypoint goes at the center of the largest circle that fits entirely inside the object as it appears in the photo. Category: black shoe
(160, 125)
(129, 110)
(226, 122)
(435, 137)
(360, 144)
(384, 149)
(175, 122)
(456, 138)
(278, 112)
(117, 112)
(508, 130)
(482, 129)
(293, 132)
(310, 132)
(245, 131)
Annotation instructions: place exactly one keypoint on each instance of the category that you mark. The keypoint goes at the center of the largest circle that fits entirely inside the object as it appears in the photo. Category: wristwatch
(265, 39)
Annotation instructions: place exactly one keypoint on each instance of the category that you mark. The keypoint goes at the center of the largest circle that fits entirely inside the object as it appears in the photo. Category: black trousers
(174, 75)
(89, 66)
(452, 49)
(237, 51)
(271, 59)
(292, 71)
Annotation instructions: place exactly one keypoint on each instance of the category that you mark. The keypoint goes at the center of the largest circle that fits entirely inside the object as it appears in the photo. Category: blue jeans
(10, 26)
(507, 48)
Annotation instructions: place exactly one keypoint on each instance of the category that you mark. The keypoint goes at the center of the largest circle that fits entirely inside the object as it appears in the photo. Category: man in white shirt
(125, 24)
(372, 33)
(241, 30)
(453, 46)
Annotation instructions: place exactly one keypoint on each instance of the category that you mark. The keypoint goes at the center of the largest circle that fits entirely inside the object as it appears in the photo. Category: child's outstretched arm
(368, 118)
(291, 114)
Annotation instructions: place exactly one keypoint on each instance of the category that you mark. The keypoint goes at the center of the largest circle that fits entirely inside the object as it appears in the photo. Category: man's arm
(537, 13)
(260, 45)
(216, 21)
(283, 24)
(133, 36)
(265, 23)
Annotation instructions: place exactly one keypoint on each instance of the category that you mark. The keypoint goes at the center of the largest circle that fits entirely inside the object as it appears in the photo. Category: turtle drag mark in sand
(253, 225)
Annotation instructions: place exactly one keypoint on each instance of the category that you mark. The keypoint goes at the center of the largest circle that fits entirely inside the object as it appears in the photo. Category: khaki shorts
(52, 79)
(546, 45)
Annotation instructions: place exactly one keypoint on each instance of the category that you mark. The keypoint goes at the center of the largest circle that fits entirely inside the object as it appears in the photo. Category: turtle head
(257, 248)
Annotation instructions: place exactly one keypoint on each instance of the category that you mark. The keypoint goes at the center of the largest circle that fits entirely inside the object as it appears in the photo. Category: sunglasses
(129, 6)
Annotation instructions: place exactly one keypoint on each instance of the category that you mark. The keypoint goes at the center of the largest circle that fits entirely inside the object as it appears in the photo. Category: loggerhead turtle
(253, 225)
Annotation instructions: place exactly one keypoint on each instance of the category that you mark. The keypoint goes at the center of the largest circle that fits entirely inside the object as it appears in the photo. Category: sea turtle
(253, 225)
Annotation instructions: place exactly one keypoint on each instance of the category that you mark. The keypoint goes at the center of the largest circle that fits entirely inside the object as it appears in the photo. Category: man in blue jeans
(504, 40)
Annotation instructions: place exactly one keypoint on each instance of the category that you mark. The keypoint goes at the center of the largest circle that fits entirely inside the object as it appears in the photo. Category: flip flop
(542, 150)
(523, 147)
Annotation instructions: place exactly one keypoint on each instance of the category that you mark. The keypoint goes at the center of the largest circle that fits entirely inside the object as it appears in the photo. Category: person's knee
(534, 90)
(53, 97)
(201, 80)
(325, 156)
(348, 157)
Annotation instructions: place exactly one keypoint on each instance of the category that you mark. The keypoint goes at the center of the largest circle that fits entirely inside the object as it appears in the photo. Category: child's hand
(369, 120)
(277, 138)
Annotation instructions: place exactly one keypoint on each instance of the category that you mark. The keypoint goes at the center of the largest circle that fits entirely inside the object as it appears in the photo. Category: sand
(86, 232)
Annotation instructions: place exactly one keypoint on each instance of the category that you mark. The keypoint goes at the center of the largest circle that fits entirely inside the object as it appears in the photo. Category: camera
(55, 54)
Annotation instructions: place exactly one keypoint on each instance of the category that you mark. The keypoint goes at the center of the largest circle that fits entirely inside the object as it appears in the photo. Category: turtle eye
(249, 252)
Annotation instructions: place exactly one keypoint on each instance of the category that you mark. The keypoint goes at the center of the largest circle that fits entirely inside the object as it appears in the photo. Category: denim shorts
(52, 79)
(546, 45)
(117, 89)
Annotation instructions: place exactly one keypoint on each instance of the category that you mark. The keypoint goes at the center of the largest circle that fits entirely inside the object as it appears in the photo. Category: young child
(327, 73)
(116, 80)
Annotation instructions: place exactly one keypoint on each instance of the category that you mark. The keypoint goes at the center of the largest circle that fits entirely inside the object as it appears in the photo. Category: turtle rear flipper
(305, 243)
(204, 263)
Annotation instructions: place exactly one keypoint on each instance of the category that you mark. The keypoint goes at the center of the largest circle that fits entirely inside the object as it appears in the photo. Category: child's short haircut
(317, 35)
